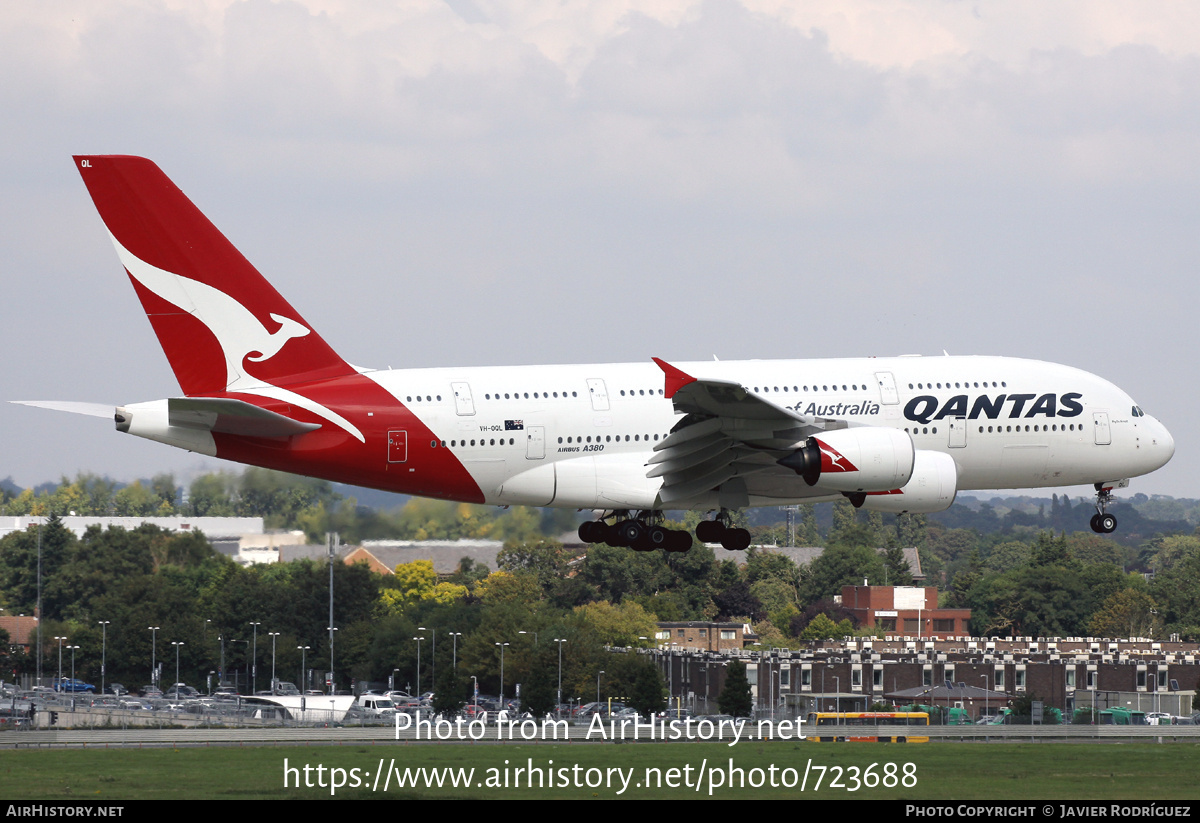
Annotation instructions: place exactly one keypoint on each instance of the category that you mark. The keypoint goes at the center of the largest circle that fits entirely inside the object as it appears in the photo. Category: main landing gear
(642, 533)
(1102, 522)
(720, 531)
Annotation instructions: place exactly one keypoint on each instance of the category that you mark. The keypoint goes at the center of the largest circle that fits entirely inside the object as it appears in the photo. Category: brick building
(904, 610)
(850, 675)
(700, 636)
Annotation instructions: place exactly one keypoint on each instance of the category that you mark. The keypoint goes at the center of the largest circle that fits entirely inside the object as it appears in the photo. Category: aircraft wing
(728, 437)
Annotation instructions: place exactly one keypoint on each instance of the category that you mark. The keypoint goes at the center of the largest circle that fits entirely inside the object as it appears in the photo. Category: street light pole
(455, 636)
(254, 659)
(335, 543)
(332, 680)
(274, 683)
(418, 639)
(837, 698)
(558, 702)
(153, 653)
(103, 651)
(60, 642)
(303, 667)
(502, 645)
(178, 691)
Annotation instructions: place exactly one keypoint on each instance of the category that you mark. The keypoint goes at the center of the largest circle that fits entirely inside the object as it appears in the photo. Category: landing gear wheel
(736, 540)
(681, 541)
(1095, 523)
(710, 531)
(592, 531)
(659, 537)
(1108, 523)
(628, 531)
(643, 543)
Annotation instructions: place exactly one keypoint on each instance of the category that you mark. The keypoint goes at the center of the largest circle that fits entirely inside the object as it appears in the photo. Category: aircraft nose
(1163, 443)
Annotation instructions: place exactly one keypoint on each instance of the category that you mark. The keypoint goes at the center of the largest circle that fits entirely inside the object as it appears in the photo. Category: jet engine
(932, 488)
(860, 459)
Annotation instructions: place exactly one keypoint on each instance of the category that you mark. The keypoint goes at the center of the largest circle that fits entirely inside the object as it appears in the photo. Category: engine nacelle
(932, 488)
(860, 459)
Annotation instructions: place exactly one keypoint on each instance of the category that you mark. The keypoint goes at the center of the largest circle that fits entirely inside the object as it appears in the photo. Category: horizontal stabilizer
(74, 407)
(229, 416)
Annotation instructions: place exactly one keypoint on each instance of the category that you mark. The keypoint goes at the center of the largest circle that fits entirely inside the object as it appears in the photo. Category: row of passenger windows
(1052, 427)
(798, 389)
(1002, 429)
(965, 384)
(608, 438)
(454, 444)
(536, 395)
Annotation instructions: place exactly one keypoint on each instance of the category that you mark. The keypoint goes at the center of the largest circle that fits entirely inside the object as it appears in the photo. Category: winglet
(676, 379)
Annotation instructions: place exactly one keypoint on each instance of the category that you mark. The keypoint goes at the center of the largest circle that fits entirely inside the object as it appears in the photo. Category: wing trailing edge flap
(227, 415)
(728, 433)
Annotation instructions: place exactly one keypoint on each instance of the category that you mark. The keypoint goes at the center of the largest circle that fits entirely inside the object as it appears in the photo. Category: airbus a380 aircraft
(260, 386)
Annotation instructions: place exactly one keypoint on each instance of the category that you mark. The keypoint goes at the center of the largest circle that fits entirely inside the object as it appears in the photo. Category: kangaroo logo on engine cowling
(832, 460)
(924, 408)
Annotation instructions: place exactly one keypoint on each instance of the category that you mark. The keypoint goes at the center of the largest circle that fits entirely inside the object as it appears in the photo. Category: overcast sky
(469, 182)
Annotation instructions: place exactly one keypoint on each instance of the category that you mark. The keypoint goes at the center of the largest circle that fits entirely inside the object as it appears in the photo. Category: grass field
(941, 771)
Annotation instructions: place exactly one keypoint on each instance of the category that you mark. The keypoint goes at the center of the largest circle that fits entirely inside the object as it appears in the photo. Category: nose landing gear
(1102, 522)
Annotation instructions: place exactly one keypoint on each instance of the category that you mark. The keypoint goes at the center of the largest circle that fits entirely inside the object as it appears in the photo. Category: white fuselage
(581, 436)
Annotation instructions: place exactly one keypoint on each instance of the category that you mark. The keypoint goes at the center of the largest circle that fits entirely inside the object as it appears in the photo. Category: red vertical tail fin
(222, 326)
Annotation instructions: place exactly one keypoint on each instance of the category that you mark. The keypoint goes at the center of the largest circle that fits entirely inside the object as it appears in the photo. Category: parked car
(69, 685)
(181, 691)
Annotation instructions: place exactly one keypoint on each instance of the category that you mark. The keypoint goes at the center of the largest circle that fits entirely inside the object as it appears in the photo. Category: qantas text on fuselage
(629, 441)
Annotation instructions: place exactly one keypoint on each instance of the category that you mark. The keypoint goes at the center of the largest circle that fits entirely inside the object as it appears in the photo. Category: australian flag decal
(514, 425)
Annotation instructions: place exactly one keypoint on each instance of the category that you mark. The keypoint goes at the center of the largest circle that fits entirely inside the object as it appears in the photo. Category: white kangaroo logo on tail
(240, 334)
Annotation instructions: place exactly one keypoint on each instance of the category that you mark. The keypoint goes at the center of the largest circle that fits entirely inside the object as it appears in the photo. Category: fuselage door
(463, 404)
(535, 442)
(1101, 429)
(958, 432)
(888, 395)
(398, 446)
(599, 394)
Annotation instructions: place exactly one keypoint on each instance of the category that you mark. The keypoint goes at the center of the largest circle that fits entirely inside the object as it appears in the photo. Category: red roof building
(910, 611)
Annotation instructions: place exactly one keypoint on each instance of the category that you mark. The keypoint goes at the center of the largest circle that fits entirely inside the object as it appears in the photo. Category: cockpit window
(1137, 412)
